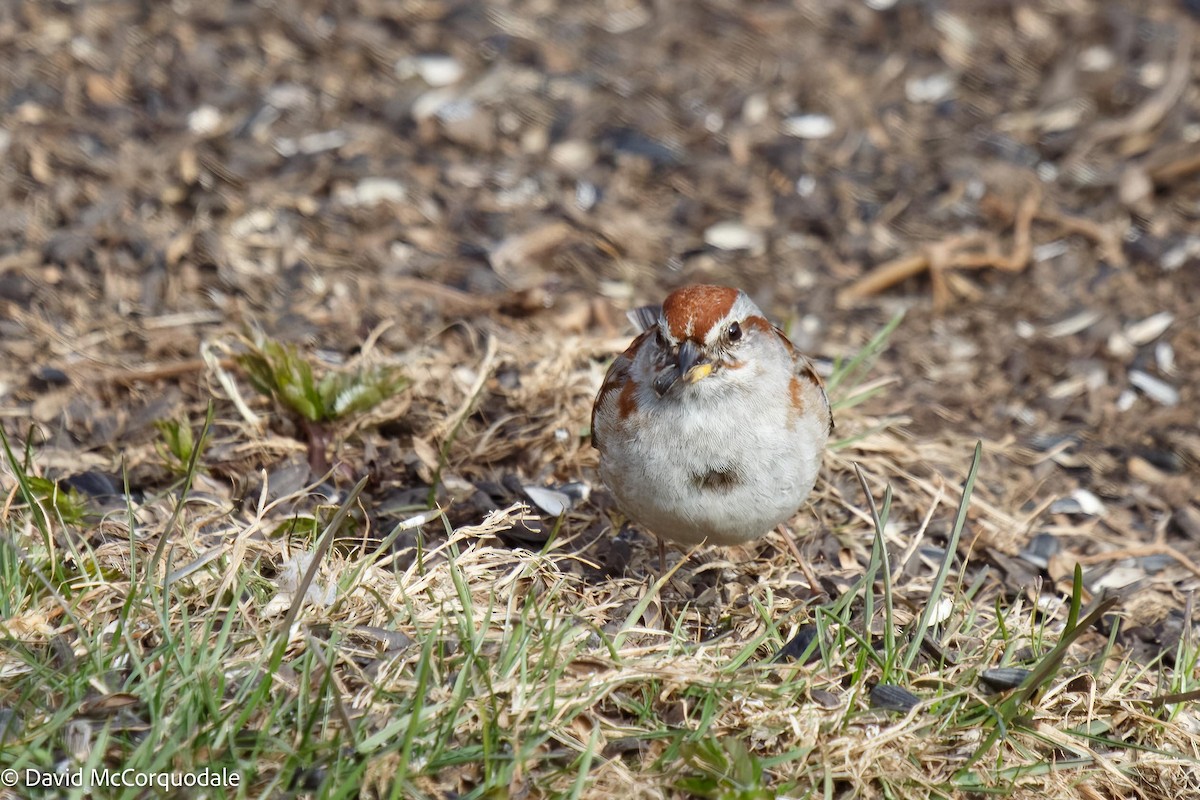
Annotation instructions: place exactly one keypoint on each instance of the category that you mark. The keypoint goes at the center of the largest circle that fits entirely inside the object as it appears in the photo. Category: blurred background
(1023, 179)
(445, 208)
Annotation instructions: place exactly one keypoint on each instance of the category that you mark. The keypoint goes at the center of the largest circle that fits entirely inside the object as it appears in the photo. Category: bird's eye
(734, 333)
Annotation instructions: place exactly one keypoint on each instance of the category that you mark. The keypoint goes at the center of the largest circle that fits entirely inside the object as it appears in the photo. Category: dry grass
(177, 174)
(164, 632)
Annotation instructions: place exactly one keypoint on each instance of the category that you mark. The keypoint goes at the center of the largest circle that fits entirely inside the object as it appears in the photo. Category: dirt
(173, 173)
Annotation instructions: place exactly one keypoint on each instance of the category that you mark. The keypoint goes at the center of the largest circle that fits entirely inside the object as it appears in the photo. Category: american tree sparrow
(711, 425)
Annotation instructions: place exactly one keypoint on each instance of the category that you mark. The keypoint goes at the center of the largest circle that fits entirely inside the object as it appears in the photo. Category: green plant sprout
(278, 371)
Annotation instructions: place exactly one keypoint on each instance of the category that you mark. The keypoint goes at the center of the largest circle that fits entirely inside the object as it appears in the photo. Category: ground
(466, 199)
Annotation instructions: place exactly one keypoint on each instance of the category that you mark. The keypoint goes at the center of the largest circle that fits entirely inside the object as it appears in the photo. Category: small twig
(1175, 169)
(155, 372)
(1142, 551)
(892, 272)
(452, 299)
(790, 541)
(1173, 697)
(1109, 242)
(448, 430)
(1151, 111)
(219, 368)
(887, 275)
(451, 423)
(373, 337)
(184, 319)
(1023, 231)
(919, 536)
(955, 252)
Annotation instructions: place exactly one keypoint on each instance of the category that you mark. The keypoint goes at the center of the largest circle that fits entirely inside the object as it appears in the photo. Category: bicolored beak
(687, 361)
(687, 367)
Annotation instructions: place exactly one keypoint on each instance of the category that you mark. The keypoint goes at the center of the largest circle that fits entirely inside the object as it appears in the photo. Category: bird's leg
(662, 554)
(814, 586)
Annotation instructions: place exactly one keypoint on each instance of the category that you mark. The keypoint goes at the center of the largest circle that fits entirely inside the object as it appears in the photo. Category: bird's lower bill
(670, 376)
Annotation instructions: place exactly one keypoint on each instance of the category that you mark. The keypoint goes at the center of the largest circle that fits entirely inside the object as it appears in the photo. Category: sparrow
(711, 425)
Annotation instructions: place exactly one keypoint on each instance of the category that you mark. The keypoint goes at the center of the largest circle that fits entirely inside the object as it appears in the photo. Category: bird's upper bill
(695, 322)
(687, 365)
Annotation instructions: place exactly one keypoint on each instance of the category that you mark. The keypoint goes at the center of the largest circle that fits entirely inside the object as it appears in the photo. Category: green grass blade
(939, 582)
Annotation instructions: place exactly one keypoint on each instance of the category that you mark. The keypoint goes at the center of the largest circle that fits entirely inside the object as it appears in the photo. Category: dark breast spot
(717, 480)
